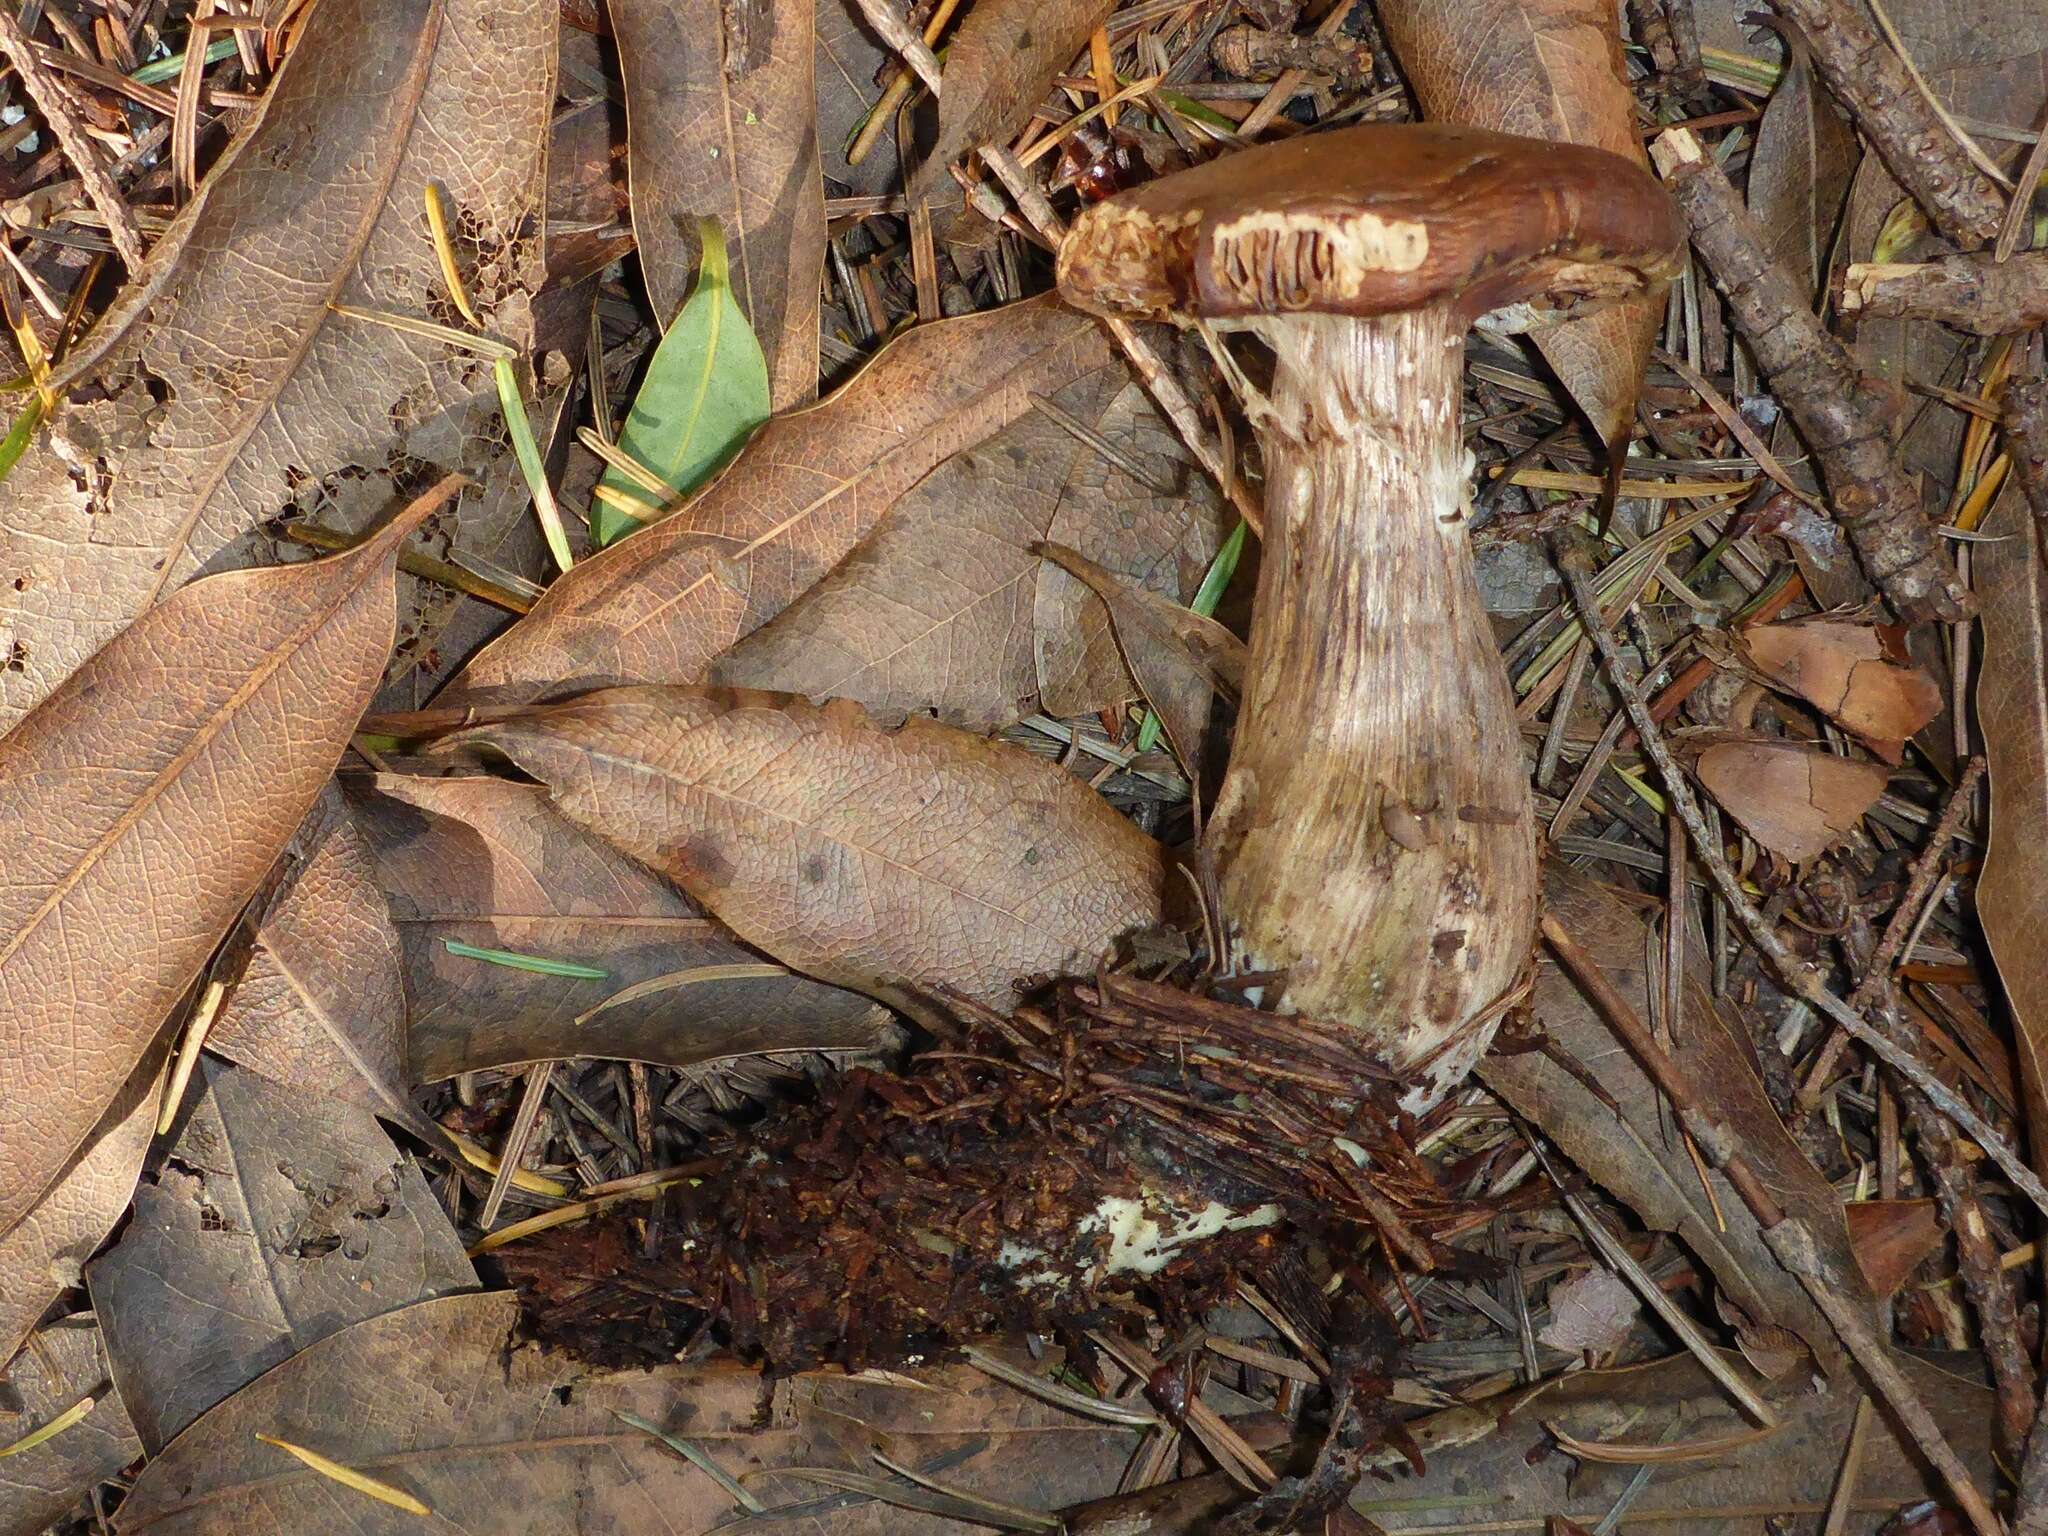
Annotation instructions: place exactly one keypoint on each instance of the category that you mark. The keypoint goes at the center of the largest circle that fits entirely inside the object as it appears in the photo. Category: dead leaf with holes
(897, 863)
(1856, 674)
(944, 607)
(721, 122)
(1796, 800)
(143, 802)
(277, 1218)
(808, 487)
(321, 202)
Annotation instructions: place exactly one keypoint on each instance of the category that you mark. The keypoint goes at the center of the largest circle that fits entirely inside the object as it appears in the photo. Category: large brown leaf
(141, 804)
(492, 863)
(1550, 69)
(238, 390)
(945, 606)
(322, 1004)
(721, 123)
(1637, 1155)
(1000, 62)
(443, 1402)
(2012, 707)
(894, 862)
(45, 1254)
(41, 1486)
(277, 1219)
(806, 489)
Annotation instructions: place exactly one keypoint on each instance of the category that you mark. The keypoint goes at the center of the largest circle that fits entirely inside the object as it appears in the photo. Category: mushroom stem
(1375, 833)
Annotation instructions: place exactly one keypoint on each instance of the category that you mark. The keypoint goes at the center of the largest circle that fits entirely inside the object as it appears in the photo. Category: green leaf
(540, 965)
(704, 392)
(15, 444)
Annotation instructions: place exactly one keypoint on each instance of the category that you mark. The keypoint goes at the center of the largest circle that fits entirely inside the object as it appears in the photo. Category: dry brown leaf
(239, 391)
(45, 1254)
(721, 123)
(1798, 801)
(140, 806)
(322, 1004)
(1891, 1239)
(1594, 1310)
(41, 1486)
(658, 607)
(2012, 708)
(893, 862)
(1853, 673)
(1000, 62)
(939, 608)
(1636, 1155)
(441, 1401)
(1178, 658)
(1549, 69)
(277, 1218)
(1799, 173)
(492, 863)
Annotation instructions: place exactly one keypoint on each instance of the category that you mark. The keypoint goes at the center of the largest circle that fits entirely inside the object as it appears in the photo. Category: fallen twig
(1874, 83)
(1841, 418)
(1976, 293)
(903, 38)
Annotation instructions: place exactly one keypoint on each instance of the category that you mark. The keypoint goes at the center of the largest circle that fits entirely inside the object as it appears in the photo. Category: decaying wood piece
(1871, 80)
(1374, 835)
(1025, 1177)
(1972, 293)
(1842, 419)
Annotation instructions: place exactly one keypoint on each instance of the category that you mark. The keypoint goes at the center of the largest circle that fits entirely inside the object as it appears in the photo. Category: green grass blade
(23, 432)
(528, 453)
(705, 390)
(540, 965)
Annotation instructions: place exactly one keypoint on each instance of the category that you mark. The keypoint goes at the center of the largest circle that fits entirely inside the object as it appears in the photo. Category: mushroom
(1375, 834)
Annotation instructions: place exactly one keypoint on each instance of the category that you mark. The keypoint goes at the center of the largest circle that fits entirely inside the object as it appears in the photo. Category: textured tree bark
(1869, 79)
(1814, 379)
(1971, 293)
(1375, 833)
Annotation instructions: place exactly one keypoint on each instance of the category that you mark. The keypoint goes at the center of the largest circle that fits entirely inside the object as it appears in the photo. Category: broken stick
(1971, 293)
(1841, 417)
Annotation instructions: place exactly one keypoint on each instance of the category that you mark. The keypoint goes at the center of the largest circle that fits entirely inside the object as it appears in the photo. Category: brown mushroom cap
(1377, 219)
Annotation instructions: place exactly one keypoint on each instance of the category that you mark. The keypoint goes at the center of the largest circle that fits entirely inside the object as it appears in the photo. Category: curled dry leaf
(277, 1218)
(64, 1367)
(45, 1254)
(493, 864)
(320, 203)
(942, 607)
(142, 803)
(1178, 658)
(805, 490)
(1798, 801)
(1000, 62)
(1635, 1155)
(720, 123)
(1891, 1239)
(2012, 706)
(893, 862)
(1549, 69)
(441, 1401)
(1855, 674)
